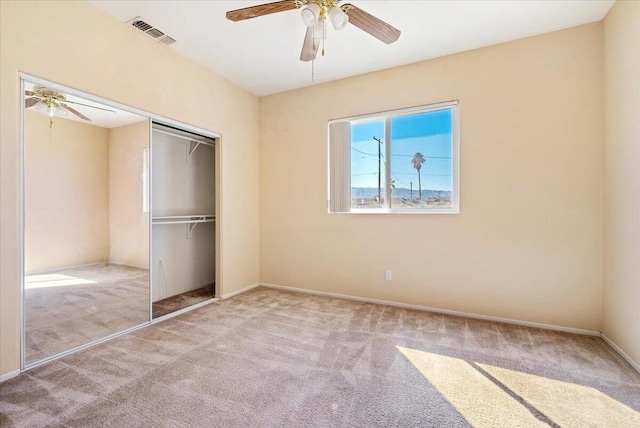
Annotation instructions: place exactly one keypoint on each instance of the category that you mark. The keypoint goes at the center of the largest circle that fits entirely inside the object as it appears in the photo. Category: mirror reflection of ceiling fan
(53, 103)
(314, 16)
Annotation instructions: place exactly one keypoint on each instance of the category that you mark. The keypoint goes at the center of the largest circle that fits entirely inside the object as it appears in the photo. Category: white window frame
(339, 166)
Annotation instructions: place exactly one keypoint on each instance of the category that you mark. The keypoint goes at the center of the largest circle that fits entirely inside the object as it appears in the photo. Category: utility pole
(379, 140)
(411, 187)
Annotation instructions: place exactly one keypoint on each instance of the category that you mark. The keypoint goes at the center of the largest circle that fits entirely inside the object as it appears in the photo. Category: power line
(427, 157)
(399, 181)
(403, 173)
(365, 153)
(423, 173)
(399, 155)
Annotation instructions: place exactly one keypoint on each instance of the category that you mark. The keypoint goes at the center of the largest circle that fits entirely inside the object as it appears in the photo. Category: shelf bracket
(191, 227)
(193, 146)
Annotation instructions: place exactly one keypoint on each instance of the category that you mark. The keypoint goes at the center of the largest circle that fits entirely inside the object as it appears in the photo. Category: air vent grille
(151, 31)
(141, 25)
(167, 40)
(155, 33)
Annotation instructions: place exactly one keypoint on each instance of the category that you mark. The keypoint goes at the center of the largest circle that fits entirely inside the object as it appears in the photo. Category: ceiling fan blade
(87, 105)
(74, 111)
(370, 24)
(260, 10)
(30, 102)
(308, 51)
(30, 93)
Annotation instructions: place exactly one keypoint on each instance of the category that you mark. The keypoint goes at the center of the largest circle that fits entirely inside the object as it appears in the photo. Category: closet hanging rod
(211, 220)
(169, 217)
(195, 140)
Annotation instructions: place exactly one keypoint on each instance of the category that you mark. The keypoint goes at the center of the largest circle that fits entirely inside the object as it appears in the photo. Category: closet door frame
(151, 117)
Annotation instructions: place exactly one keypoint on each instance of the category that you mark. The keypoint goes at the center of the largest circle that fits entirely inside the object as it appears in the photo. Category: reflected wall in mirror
(86, 223)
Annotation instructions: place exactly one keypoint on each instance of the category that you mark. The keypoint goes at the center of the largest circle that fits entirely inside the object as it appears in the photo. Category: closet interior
(183, 206)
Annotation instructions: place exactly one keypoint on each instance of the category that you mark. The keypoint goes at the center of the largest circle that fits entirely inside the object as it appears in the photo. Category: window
(400, 161)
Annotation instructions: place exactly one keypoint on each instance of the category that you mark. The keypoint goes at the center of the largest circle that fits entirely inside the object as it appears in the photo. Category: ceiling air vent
(151, 31)
(167, 40)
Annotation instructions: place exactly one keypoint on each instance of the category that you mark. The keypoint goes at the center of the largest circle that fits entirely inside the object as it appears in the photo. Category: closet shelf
(193, 139)
(184, 219)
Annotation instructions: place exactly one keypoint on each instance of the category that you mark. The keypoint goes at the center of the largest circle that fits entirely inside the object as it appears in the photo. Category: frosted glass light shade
(338, 18)
(59, 111)
(310, 14)
(41, 107)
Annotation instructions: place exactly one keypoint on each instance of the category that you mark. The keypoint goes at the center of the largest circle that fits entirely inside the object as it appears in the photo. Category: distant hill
(398, 192)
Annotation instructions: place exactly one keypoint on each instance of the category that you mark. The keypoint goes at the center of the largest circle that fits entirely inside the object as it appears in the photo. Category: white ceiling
(114, 118)
(262, 54)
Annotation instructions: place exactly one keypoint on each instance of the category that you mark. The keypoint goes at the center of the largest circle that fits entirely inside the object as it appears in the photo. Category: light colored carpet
(70, 307)
(181, 301)
(269, 358)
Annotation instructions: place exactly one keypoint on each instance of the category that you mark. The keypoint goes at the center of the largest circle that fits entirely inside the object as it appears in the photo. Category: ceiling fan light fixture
(41, 107)
(338, 18)
(59, 111)
(315, 14)
(310, 14)
(50, 110)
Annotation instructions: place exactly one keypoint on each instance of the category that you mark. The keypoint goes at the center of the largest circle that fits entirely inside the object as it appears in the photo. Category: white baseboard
(438, 311)
(110, 262)
(5, 377)
(623, 354)
(58, 269)
(242, 290)
(106, 262)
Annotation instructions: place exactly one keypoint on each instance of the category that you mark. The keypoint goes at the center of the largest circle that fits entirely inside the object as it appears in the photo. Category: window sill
(399, 211)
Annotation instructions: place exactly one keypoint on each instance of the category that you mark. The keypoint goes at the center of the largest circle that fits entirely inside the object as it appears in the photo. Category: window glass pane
(422, 161)
(368, 165)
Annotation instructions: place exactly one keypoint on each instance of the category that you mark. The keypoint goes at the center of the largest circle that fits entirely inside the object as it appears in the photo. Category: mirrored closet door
(86, 220)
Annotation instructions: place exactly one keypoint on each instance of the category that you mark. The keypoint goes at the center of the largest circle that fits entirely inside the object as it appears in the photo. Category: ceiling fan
(314, 16)
(54, 103)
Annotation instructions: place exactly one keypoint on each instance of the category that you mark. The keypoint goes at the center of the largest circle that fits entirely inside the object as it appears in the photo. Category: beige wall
(66, 193)
(128, 224)
(95, 53)
(528, 241)
(622, 177)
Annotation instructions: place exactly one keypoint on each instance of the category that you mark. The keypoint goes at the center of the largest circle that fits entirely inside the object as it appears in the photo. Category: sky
(428, 133)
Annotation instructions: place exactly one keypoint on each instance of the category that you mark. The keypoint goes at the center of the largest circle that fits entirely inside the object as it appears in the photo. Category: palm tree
(417, 161)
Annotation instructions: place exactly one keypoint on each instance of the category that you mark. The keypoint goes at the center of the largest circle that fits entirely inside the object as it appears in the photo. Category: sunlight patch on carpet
(568, 404)
(53, 280)
(476, 398)
(490, 396)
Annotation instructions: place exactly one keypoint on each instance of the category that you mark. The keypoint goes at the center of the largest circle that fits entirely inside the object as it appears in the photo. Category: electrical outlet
(387, 275)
